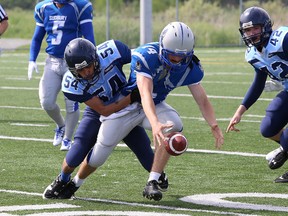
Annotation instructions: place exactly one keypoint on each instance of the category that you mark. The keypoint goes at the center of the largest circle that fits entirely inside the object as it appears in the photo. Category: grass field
(233, 181)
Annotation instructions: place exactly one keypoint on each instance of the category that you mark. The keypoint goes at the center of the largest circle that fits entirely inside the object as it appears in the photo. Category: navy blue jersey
(145, 60)
(111, 80)
(62, 24)
(272, 61)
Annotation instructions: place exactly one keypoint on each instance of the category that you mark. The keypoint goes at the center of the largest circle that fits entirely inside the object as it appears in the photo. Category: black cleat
(163, 182)
(68, 191)
(278, 160)
(53, 190)
(151, 191)
(282, 179)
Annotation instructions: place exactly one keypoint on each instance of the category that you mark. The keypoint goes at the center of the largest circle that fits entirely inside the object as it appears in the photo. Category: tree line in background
(212, 24)
(120, 4)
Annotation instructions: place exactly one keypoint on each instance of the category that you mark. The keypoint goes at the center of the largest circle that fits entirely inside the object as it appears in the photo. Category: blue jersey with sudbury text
(111, 80)
(273, 59)
(62, 24)
(145, 60)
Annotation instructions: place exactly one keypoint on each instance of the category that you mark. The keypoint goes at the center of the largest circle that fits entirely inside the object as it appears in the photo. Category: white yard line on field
(246, 154)
(172, 94)
(114, 213)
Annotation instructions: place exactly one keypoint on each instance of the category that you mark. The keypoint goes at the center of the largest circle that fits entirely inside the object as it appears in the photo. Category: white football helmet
(176, 39)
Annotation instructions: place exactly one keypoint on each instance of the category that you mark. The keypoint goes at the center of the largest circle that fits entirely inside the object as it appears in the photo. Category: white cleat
(66, 145)
(58, 137)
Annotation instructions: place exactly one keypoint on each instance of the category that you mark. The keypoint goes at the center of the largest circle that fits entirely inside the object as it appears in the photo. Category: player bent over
(156, 68)
(96, 79)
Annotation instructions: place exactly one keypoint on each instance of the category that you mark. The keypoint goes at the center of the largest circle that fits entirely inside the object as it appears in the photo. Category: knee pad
(48, 104)
(98, 155)
(266, 128)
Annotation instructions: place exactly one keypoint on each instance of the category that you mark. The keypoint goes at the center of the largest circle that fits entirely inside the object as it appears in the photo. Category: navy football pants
(86, 134)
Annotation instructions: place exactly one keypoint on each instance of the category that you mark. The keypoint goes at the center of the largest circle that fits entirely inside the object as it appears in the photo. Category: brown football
(176, 143)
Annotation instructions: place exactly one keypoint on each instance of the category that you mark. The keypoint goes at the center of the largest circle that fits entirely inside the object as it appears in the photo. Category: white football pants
(49, 87)
(112, 131)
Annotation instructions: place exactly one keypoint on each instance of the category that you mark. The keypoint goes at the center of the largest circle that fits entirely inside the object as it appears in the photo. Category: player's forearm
(209, 114)
(3, 26)
(241, 110)
(150, 110)
(114, 107)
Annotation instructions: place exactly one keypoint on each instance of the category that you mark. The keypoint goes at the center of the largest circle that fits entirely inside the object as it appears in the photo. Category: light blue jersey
(145, 60)
(273, 59)
(62, 24)
(111, 80)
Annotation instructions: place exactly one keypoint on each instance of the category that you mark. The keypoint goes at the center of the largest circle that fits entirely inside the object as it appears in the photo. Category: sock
(65, 177)
(78, 182)
(154, 176)
(284, 139)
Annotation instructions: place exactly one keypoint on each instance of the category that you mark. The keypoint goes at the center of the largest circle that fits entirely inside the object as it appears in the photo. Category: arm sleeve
(36, 42)
(87, 31)
(78, 98)
(255, 89)
(285, 44)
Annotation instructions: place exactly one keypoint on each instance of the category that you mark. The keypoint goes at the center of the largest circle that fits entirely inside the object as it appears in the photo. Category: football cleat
(151, 191)
(163, 182)
(68, 191)
(280, 157)
(273, 153)
(66, 145)
(53, 190)
(282, 179)
(59, 134)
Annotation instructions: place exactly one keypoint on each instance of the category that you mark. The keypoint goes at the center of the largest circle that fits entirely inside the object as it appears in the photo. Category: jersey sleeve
(124, 51)
(3, 14)
(141, 62)
(86, 25)
(86, 13)
(73, 89)
(36, 42)
(285, 45)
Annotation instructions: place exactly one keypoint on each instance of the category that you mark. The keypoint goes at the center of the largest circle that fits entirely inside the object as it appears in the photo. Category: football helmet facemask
(255, 16)
(176, 39)
(80, 53)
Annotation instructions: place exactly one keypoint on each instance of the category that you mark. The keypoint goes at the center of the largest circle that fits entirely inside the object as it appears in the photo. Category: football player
(267, 53)
(3, 20)
(61, 21)
(97, 78)
(156, 68)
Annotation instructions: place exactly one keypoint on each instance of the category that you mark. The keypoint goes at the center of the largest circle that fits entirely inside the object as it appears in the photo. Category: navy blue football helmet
(255, 16)
(80, 53)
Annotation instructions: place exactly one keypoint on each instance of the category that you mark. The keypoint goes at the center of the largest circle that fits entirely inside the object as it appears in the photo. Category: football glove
(135, 96)
(31, 67)
(273, 85)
